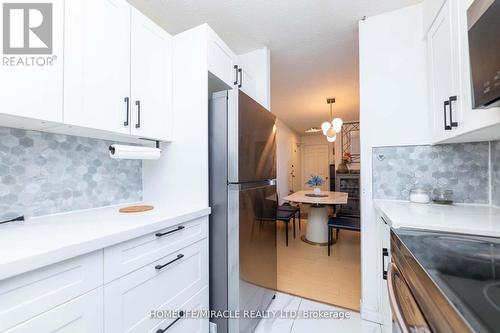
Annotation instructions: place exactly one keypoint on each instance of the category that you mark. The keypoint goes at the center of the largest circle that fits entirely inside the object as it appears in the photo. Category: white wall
(286, 141)
(393, 111)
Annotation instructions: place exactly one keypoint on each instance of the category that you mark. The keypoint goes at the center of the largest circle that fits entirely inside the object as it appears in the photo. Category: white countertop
(460, 218)
(42, 241)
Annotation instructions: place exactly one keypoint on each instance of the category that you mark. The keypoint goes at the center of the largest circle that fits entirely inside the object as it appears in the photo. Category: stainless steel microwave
(483, 18)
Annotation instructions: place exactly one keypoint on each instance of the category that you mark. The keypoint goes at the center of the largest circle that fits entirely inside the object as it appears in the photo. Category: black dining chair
(289, 208)
(341, 222)
(286, 216)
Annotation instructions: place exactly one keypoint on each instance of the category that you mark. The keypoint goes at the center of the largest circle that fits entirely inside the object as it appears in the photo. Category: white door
(151, 87)
(315, 162)
(31, 85)
(443, 68)
(97, 64)
(81, 315)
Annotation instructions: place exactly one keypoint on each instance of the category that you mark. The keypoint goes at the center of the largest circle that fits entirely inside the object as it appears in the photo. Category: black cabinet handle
(446, 126)
(159, 234)
(181, 314)
(138, 103)
(451, 100)
(179, 257)
(385, 253)
(235, 75)
(241, 78)
(127, 102)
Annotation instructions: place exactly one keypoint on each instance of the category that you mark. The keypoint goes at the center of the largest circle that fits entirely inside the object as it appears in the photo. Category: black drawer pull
(385, 253)
(127, 102)
(181, 314)
(236, 75)
(138, 103)
(446, 126)
(169, 232)
(452, 123)
(179, 257)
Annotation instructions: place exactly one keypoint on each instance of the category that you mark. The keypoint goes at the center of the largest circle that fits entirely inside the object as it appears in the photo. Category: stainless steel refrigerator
(243, 198)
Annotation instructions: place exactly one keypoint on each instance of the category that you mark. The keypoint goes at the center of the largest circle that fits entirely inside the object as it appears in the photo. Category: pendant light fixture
(330, 129)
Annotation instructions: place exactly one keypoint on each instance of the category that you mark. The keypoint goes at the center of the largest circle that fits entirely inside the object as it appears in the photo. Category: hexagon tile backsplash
(43, 173)
(463, 168)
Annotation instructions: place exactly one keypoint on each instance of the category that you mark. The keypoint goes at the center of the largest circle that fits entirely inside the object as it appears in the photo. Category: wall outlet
(212, 328)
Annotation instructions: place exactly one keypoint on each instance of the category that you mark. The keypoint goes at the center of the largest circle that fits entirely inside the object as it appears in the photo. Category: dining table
(317, 219)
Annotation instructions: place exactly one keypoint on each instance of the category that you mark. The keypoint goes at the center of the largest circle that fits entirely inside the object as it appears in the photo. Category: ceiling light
(330, 129)
(313, 130)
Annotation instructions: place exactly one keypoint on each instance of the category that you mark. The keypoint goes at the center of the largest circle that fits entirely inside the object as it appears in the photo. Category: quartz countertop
(42, 241)
(460, 218)
(330, 198)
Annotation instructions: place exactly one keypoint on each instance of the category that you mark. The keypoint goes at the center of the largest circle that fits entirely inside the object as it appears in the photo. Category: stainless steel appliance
(483, 18)
(243, 199)
(444, 282)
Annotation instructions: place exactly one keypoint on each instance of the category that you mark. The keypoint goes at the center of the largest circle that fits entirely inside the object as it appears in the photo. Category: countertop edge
(43, 259)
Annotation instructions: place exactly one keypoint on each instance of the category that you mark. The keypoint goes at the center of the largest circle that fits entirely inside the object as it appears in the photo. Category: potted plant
(316, 182)
(346, 160)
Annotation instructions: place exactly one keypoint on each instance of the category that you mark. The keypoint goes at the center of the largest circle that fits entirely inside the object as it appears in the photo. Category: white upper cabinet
(97, 64)
(254, 78)
(452, 117)
(31, 73)
(151, 79)
(221, 60)
(444, 69)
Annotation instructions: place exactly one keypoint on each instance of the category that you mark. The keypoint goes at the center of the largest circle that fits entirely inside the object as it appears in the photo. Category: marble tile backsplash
(463, 168)
(495, 173)
(43, 173)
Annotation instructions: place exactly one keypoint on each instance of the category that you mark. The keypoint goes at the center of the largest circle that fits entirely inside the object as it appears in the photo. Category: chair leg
(329, 240)
(294, 226)
(286, 232)
(337, 233)
(299, 218)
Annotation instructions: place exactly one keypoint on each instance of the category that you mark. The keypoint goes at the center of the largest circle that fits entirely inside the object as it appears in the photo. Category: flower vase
(317, 191)
(343, 168)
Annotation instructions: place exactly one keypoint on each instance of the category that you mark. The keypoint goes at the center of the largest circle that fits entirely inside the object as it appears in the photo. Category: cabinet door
(97, 64)
(255, 81)
(443, 73)
(81, 315)
(162, 285)
(151, 54)
(221, 59)
(31, 72)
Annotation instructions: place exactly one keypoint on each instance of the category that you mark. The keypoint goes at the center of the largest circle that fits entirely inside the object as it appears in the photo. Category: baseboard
(371, 314)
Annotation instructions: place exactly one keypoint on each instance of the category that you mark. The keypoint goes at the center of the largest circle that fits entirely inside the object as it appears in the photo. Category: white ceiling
(313, 43)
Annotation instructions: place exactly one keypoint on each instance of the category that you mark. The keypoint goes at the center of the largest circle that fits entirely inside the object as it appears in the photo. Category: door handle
(160, 267)
(138, 104)
(451, 100)
(385, 253)
(181, 314)
(236, 75)
(127, 102)
(241, 78)
(446, 126)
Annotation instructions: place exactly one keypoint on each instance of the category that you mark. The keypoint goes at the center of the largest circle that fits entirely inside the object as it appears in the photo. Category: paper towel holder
(157, 145)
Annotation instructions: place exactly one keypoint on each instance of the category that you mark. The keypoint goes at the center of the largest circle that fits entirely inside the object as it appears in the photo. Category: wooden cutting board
(136, 209)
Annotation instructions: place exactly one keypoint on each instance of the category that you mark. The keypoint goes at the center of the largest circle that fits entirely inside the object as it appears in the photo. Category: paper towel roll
(134, 152)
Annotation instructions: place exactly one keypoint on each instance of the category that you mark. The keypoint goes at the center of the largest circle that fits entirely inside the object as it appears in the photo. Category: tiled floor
(287, 302)
(307, 271)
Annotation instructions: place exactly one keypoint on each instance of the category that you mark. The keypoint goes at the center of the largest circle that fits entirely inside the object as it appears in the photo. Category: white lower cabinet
(81, 315)
(163, 271)
(165, 284)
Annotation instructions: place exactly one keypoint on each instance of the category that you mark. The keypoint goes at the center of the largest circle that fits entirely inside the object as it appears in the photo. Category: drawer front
(130, 299)
(28, 295)
(198, 302)
(126, 257)
(81, 315)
